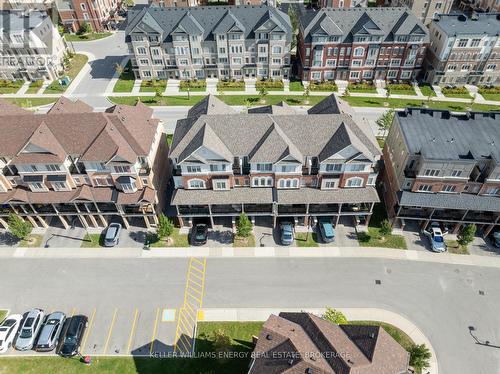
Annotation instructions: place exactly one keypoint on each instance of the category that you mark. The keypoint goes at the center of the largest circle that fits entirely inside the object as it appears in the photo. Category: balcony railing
(292, 209)
(193, 210)
(323, 208)
(226, 209)
(258, 208)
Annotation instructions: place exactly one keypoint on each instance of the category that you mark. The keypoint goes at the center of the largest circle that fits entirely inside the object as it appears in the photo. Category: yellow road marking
(196, 283)
(201, 315)
(133, 329)
(110, 331)
(185, 325)
(198, 261)
(87, 333)
(195, 268)
(155, 327)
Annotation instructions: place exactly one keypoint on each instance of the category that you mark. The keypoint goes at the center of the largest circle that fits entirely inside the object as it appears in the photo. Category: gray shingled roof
(346, 22)
(242, 195)
(207, 20)
(459, 24)
(450, 201)
(441, 136)
(330, 105)
(307, 195)
(300, 135)
(210, 105)
(280, 108)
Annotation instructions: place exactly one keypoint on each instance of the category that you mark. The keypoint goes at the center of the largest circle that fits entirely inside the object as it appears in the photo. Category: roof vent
(492, 143)
(290, 362)
(350, 361)
(309, 371)
(474, 16)
(433, 140)
(269, 337)
(372, 335)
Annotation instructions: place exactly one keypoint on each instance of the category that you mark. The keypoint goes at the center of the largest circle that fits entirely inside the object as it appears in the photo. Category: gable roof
(278, 109)
(65, 105)
(329, 105)
(206, 21)
(346, 22)
(210, 105)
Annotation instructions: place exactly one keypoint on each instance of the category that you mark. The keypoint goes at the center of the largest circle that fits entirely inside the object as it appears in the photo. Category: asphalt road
(442, 300)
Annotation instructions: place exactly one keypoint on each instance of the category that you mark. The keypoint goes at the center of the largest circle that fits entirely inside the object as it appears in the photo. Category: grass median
(33, 102)
(76, 64)
(373, 237)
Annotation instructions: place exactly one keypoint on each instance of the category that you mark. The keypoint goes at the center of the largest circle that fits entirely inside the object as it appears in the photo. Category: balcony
(258, 208)
(414, 212)
(323, 208)
(107, 207)
(448, 215)
(483, 217)
(356, 208)
(226, 209)
(66, 208)
(410, 173)
(193, 210)
(292, 209)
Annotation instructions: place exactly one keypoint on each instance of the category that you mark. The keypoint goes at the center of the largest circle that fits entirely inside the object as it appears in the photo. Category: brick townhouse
(223, 42)
(426, 10)
(272, 163)
(464, 50)
(79, 167)
(358, 44)
(100, 14)
(479, 6)
(443, 167)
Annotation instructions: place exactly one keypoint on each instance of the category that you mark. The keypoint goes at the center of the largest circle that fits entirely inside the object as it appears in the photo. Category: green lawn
(372, 238)
(296, 86)
(454, 247)
(306, 240)
(177, 240)
(76, 64)
(427, 90)
(33, 241)
(493, 97)
(125, 82)
(37, 101)
(459, 92)
(381, 141)
(151, 100)
(86, 37)
(231, 86)
(244, 242)
(10, 87)
(93, 241)
(458, 95)
(153, 85)
(34, 87)
(403, 103)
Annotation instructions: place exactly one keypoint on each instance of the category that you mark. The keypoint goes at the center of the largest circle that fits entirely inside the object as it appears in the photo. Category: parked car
(496, 239)
(200, 233)
(112, 236)
(8, 331)
(436, 239)
(286, 233)
(72, 335)
(29, 330)
(50, 333)
(326, 230)
(441, 226)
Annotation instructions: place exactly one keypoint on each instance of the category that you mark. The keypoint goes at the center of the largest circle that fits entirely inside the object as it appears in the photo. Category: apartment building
(174, 3)
(26, 4)
(225, 42)
(443, 167)
(358, 44)
(464, 50)
(425, 10)
(78, 167)
(342, 3)
(272, 164)
(100, 14)
(479, 6)
(31, 48)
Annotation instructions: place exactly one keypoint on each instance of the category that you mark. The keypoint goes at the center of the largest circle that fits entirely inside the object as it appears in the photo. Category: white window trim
(353, 179)
(196, 180)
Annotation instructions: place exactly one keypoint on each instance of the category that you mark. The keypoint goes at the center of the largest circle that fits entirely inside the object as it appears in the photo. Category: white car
(29, 330)
(8, 331)
(436, 239)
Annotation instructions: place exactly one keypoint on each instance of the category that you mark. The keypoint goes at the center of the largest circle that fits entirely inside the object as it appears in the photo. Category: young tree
(263, 94)
(466, 235)
(347, 93)
(118, 68)
(244, 226)
(385, 121)
(84, 29)
(19, 227)
(419, 357)
(221, 341)
(307, 93)
(335, 316)
(295, 22)
(165, 227)
(158, 94)
(385, 227)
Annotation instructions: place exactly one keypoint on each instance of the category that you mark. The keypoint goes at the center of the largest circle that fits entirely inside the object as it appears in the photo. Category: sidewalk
(256, 252)
(352, 314)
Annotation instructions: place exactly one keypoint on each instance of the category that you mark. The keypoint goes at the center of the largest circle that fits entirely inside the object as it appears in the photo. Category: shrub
(385, 227)
(19, 227)
(323, 86)
(360, 86)
(244, 226)
(456, 90)
(489, 90)
(165, 227)
(400, 87)
(269, 84)
(466, 235)
(335, 316)
(85, 28)
(193, 84)
(419, 357)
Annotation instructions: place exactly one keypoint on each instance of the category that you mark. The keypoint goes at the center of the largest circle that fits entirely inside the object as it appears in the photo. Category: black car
(72, 335)
(200, 233)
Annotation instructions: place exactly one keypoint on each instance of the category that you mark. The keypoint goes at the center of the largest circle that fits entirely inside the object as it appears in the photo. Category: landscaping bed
(153, 85)
(239, 241)
(175, 240)
(401, 89)
(427, 90)
(326, 86)
(454, 247)
(10, 87)
(231, 85)
(74, 65)
(125, 82)
(304, 239)
(374, 238)
(490, 93)
(269, 85)
(458, 92)
(362, 87)
(32, 241)
(33, 102)
(193, 85)
(93, 241)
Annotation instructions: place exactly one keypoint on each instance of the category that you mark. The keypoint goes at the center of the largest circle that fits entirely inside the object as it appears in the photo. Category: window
(462, 43)
(83, 6)
(392, 74)
(355, 167)
(196, 184)
(475, 42)
(59, 186)
(276, 49)
(448, 188)
(493, 191)
(262, 182)
(220, 185)
(329, 184)
(287, 168)
(331, 63)
(193, 169)
(334, 167)
(288, 183)
(141, 51)
(425, 188)
(354, 182)
(122, 169)
(491, 67)
(451, 67)
(129, 187)
(356, 62)
(359, 51)
(217, 167)
(465, 67)
(396, 61)
(264, 167)
(53, 167)
(354, 75)
(456, 173)
(371, 180)
(431, 172)
(37, 186)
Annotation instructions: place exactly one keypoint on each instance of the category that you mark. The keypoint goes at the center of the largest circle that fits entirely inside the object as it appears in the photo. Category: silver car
(51, 330)
(29, 330)
(112, 236)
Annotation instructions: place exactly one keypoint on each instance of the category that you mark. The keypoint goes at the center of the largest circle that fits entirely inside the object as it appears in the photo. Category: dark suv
(199, 233)
(72, 335)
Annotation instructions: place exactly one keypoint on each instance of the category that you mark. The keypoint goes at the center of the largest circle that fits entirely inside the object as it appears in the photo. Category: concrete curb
(352, 314)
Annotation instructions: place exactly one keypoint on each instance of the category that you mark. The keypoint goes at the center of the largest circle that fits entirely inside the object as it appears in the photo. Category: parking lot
(123, 318)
